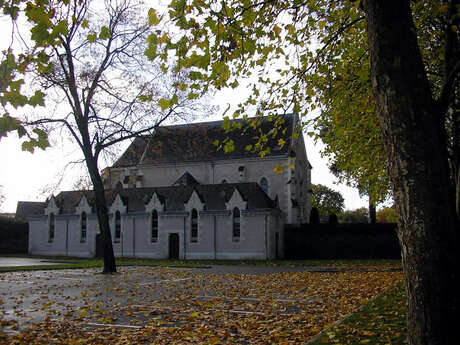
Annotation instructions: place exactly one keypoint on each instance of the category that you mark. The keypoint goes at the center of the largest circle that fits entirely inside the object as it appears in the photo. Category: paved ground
(156, 298)
(34, 295)
(12, 261)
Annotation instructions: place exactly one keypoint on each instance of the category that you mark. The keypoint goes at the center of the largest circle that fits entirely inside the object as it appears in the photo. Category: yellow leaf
(277, 30)
(443, 8)
(215, 341)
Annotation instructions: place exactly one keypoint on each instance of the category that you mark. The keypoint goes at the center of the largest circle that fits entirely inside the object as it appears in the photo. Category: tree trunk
(372, 213)
(102, 213)
(415, 145)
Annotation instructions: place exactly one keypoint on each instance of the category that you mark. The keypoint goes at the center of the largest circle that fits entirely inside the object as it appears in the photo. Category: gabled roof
(29, 208)
(195, 142)
(186, 179)
(214, 197)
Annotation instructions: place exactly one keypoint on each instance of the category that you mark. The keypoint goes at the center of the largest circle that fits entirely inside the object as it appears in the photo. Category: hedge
(342, 241)
(14, 236)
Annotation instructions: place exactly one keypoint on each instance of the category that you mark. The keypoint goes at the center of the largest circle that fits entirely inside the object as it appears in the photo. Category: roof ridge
(214, 122)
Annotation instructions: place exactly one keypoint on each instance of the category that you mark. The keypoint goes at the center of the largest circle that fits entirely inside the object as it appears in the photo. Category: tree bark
(103, 218)
(415, 145)
(372, 212)
(101, 208)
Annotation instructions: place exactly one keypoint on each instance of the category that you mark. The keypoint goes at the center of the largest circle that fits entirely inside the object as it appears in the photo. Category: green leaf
(85, 24)
(164, 103)
(105, 33)
(92, 37)
(61, 28)
(153, 17)
(37, 99)
(9, 124)
(192, 95)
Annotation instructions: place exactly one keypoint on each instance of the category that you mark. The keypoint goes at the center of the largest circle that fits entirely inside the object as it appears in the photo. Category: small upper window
(264, 184)
(154, 237)
(117, 226)
(51, 221)
(236, 233)
(83, 225)
(194, 226)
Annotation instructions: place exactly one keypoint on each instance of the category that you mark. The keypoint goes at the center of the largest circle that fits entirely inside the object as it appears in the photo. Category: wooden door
(174, 246)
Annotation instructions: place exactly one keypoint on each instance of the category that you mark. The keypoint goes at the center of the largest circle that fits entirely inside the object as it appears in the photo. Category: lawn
(381, 321)
(74, 262)
(167, 305)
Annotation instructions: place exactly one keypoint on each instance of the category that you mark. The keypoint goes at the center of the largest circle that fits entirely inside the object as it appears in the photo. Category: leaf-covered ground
(147, 305)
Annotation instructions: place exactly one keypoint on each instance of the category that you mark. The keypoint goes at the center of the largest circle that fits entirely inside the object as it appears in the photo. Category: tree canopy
(360, 215)
(303, 56)
(387, 215)
(392, 64)
(86, 59)
(326, 200)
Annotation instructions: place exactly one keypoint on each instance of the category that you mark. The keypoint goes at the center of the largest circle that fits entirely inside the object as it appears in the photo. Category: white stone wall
(67, 240)
(214, 236)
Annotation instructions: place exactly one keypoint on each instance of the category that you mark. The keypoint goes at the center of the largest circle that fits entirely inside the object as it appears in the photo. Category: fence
(342, 241)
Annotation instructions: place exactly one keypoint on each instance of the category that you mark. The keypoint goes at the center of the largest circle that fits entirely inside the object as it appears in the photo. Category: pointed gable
(83, 206)
(195, 201)
(118, 204)
(236, 200)
(155, 203)
(186, 179)
(52, 206)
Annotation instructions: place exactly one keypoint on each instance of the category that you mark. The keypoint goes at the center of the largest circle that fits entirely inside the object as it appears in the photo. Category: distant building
(173, 195)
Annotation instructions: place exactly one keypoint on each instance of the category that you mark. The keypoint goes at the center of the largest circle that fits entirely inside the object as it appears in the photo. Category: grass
(68, 262)
(381, 321)
(73, 262)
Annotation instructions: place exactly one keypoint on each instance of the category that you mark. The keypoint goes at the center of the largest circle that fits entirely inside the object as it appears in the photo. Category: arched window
(194, 226)
(83, 224)
(154, 237)
(224, 181)
(117, 226)
(264, 184)
(51, 227)
(236, 233)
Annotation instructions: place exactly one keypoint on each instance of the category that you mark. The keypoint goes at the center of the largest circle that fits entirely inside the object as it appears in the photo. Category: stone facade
(145, 222)
(173, 197)
(292, 187)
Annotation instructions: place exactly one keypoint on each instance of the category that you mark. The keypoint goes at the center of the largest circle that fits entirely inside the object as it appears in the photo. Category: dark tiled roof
(29, 208)
(214, 196)
(194, 142)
